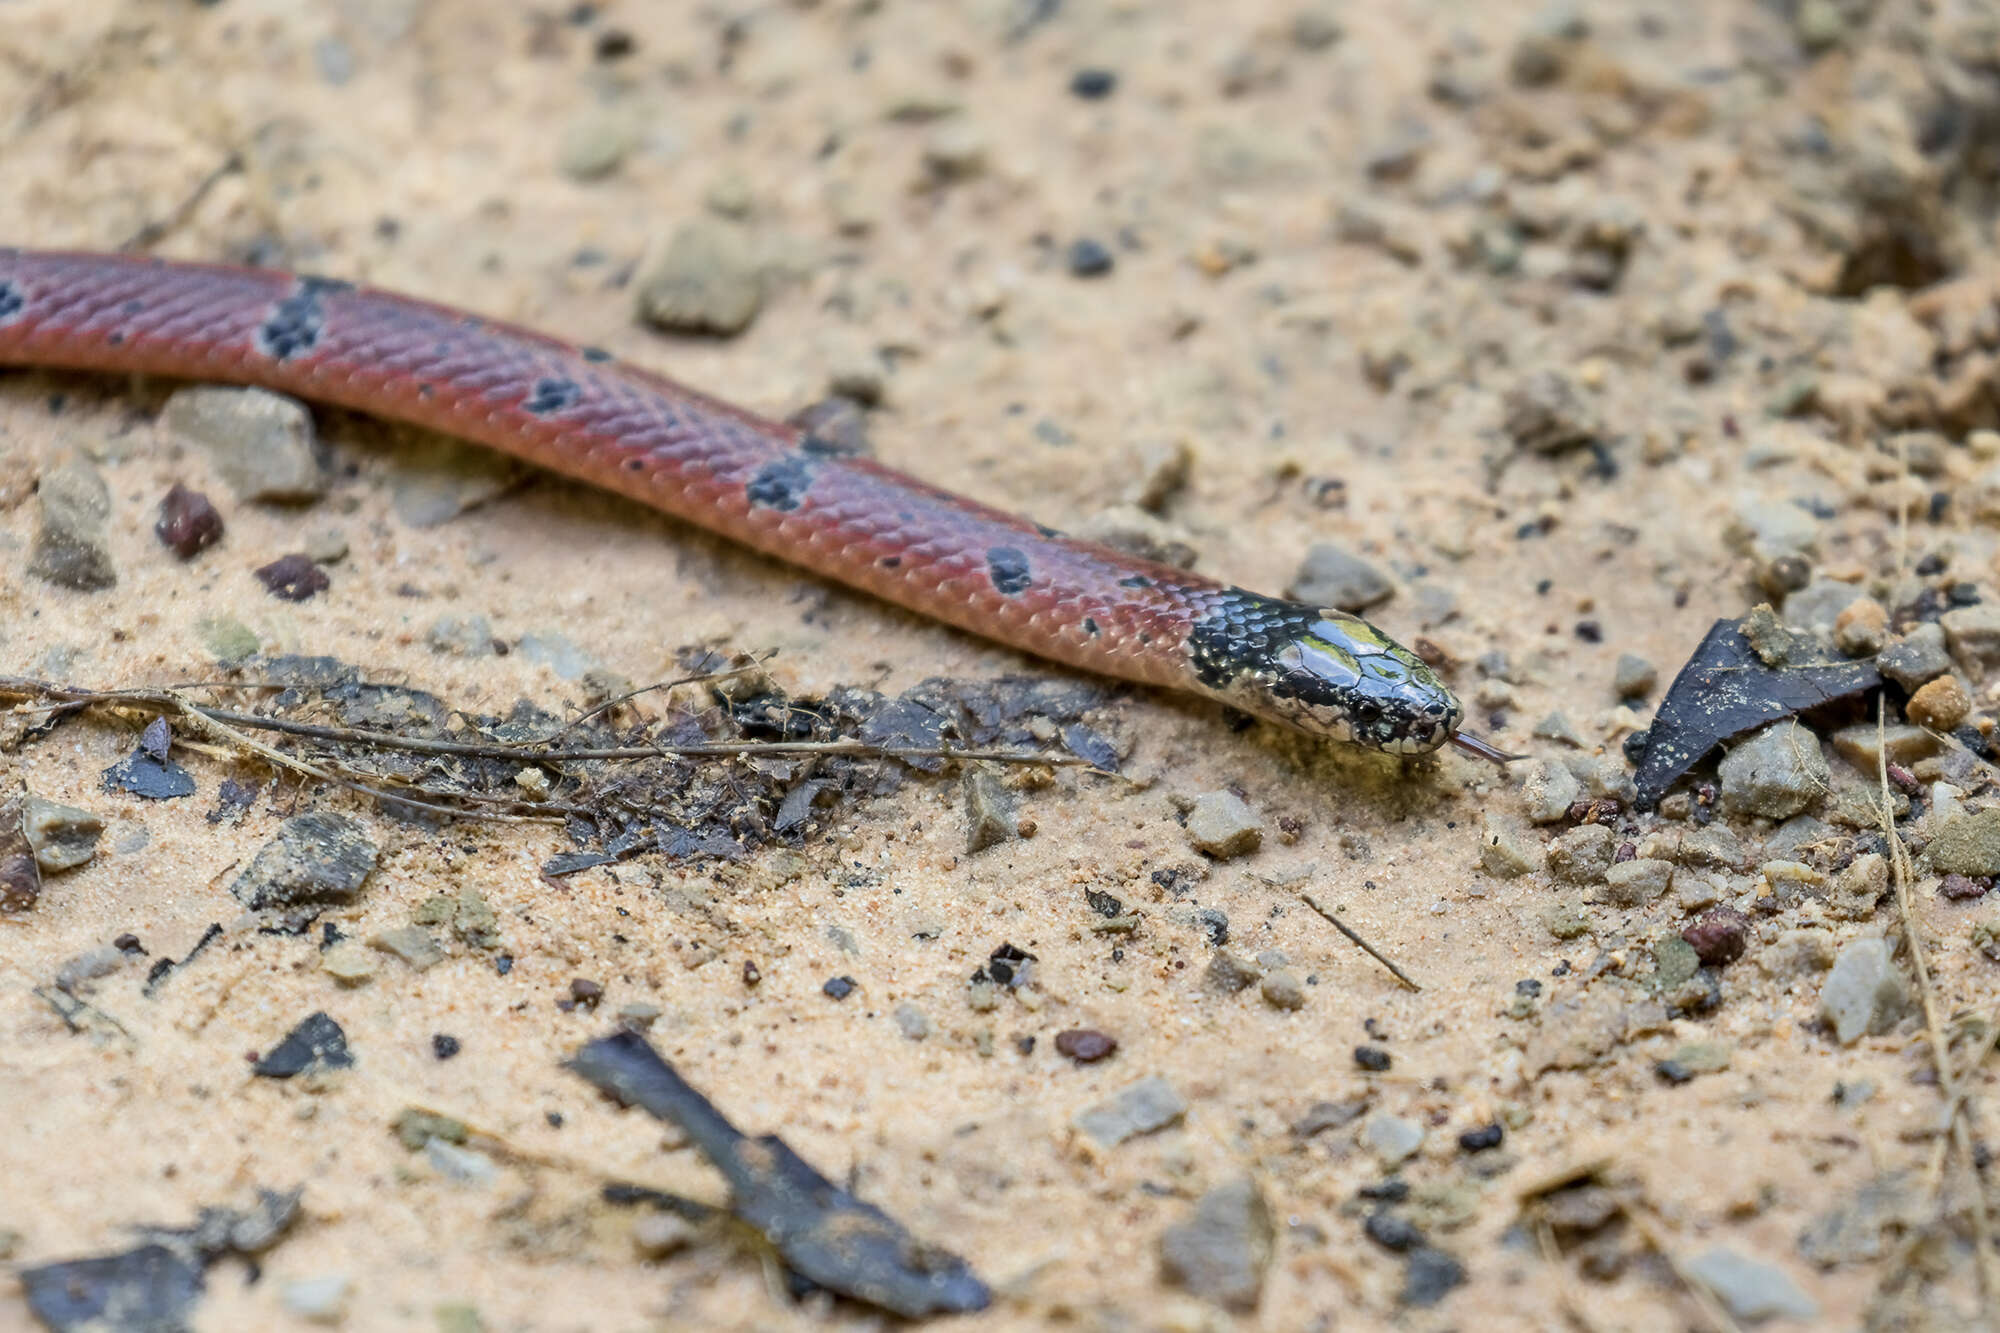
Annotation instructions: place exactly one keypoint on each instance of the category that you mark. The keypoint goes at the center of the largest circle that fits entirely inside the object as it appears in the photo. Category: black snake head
(1322, 671)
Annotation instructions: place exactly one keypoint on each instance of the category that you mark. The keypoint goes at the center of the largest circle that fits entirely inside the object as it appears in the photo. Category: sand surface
(1342, 238)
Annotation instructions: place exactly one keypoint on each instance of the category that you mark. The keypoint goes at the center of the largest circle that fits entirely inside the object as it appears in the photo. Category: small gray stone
(1860, 745)
(1973, 635)
(61, 836)
(1557, 727)
(322, 1300)
(1223, 825)
(1917, 657)
(1507, 848)
(1636, 883)
(1776, 773)
(227, 638)
(1545, 414)
(1229, 972)
(1220, 1251)
(261, 442)
(911, 1021)
(413, 944)
(464, 636)
(1138, 1108)
(88, 966)
(555, 651)
(658, 1235)
(71, 547)
(1549, 789)
(1282, 989)
(1817, 606)
(1771, 530)
(1966, 845)
(955, 151)
(1634, 677)
(1316, 28)
(989, 811)
(594, 144)
(315, 858)
(348, 963)
(1865, 993)
(706, 281)
(1751, 1289)
(1392, 1138)
(1583, 854)
(1330, 576)
(464, 1166)
(436, 480)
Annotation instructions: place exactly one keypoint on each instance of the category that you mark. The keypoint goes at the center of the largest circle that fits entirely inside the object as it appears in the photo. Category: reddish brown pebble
(1958, 887)
(1719, 937)
(1627, 851)
(585, 992)
(751, 976)
(188, 524)
(293, 577)
(1904, 780)
(1085, 1045)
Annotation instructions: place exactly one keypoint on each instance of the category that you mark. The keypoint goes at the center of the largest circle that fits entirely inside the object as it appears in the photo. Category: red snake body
(773, 487)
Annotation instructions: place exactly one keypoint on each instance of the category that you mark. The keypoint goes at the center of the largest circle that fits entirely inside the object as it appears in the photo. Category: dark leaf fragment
(822, 1233)
(316, 1043)
(1726, 689)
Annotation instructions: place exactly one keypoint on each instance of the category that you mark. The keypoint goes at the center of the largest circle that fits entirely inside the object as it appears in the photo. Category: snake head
(1323, 672)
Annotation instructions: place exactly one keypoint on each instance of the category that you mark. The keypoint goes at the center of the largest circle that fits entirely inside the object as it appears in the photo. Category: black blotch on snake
(1008, 569)
(781, 483)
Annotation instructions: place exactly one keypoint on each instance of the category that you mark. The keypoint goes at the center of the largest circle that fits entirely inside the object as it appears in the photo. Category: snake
(779, 488)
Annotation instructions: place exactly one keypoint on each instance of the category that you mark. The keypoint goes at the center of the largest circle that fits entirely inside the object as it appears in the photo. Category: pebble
(1557, 727)
(593, 145)
(1392, 1138)
(1429, 1275)
(1861, 629)
(1797, 953)
(315, 858)
(1546, 414)
(322, 1300)
(413, 944)
(1282, 989)
(435, 480)
(227, 638)
(293, 578)
(1316, 28)
(911, 1021)
(1634, 677)
(62, 837)
(261, 442)
(1548, 790)
(1918, 657)
(1086, 1046)
(1160, 473)
(1089, 258)
(1373, 1059)
(1395, 1234)
(324, 546)
(1092, 84)
(1903, 744)
(1229, 972)
(1142, 1107)
(1778, 772)
(1483, 1139)
(1221, 824)
(1772, 530)
(1636, 883)
(706, 281)
(1973, 635)
(1507, 848)
(1818, 606)
(462, 1166)
(1332, 576)
(1940, 705)
(72, 549)
(1583, 854)
(348, 964)
(1967, 845)
(1220, 1250)
(462, 636)
(989, 811)
(1718, 938)
(558, 652)
(1751, 1289)
(1566, 920)
(1674, 961)
(188, 522)
(1865, 993)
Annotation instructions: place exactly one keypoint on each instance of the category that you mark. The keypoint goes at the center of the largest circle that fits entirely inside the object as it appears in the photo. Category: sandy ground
(1313, 283)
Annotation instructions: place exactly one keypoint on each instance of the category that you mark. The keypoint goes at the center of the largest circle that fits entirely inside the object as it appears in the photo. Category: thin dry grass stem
(1360, 943)
(1901, 874)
